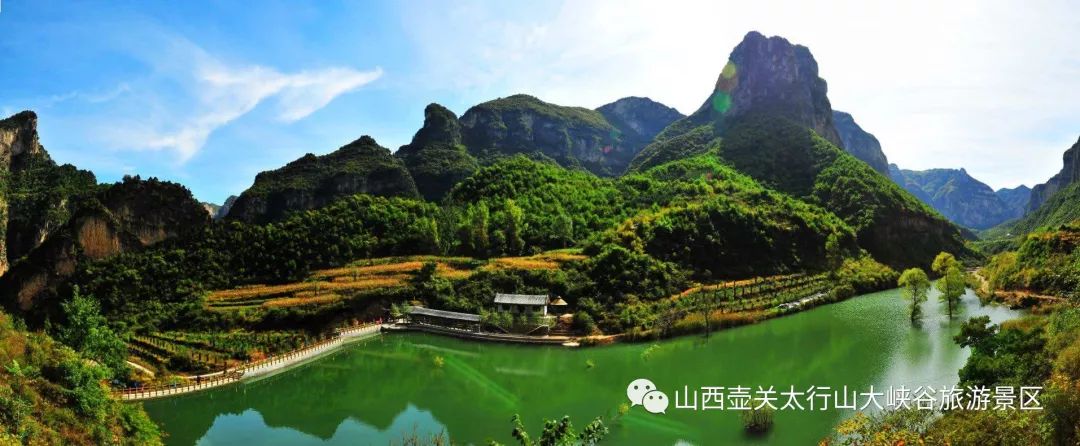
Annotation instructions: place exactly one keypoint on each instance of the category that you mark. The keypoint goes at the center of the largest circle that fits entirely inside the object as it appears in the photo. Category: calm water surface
(374, 391)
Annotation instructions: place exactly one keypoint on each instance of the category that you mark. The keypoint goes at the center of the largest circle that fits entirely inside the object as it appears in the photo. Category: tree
(943, 262)
(87, 331)
(951, 285)
(515, 223)
(915, 286)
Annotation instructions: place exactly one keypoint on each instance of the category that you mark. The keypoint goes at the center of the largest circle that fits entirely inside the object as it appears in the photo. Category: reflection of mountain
(252, 426)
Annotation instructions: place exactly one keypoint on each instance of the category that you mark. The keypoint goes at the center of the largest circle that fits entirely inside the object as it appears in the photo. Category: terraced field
(328, 286)
(200, 352)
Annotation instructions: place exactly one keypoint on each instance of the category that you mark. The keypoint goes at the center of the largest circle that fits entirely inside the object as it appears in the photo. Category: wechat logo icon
(643, 392)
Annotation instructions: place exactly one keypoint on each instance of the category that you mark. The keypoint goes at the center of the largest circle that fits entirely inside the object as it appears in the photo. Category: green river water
(376, 390)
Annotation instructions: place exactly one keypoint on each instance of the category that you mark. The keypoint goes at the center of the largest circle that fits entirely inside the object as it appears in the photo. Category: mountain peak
(774, 76)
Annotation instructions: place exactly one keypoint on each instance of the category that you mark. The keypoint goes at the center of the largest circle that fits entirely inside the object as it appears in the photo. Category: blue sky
(210, 93)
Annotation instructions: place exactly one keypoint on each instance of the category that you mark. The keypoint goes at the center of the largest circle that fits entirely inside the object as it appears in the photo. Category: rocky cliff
(126, 216)
(36, 195)
(436, 157)
(1015, 200)
(522, 124)
(223, 211)
(1070, 173)
(763, 76)
(860, 143)
(360, 167)
(955, 194)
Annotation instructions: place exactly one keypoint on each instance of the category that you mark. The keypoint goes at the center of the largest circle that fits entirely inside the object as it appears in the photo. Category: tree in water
(915, 285)
(951, 284)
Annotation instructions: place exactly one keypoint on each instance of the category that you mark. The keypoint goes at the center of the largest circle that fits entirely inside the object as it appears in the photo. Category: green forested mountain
(360, 167)
(436, 158)
(956, 195)
(769, 117)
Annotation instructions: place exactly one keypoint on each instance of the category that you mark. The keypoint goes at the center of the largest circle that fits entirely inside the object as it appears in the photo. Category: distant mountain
(223, 211)
(769, 116)
(1054, 203)
(360, 167)
(1070, 173)
(638, 121)
(1015, 200)
(436, 158)
(859, 143)
(959, 197)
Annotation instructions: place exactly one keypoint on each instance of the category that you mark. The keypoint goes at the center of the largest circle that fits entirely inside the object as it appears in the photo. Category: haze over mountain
(959, 197)
(1015, 200)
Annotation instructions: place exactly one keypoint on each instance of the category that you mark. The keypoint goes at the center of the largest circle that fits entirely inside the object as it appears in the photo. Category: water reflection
(376, 390)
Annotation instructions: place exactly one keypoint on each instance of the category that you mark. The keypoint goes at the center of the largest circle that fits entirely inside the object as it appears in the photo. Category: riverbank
(253, 369)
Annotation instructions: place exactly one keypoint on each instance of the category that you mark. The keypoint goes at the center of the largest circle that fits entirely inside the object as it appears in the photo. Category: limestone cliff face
(126, 216)
(436, 158)
(955, 194)
(772, 76)
(522, 124)
(36, 195)
(860, 143)
(764, 76)
(223, 211)
(360, 167)
(1070, 173)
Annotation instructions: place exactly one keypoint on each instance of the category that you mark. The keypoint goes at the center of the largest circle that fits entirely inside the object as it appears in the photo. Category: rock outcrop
(521, 124)
(764, 76)
(436, 157)
(223, 211)
(36, 195)
(310, 182)
(1070, 173)
(955, 194)
(127, 216)
(860, 143)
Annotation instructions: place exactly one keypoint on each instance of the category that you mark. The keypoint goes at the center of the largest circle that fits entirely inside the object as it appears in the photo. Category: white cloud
(993, 86)
(187, 94)
(226, 93)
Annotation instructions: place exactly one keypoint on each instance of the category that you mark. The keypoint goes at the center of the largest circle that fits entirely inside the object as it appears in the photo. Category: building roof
(521, 299)
(558, 302)
(468, 317)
